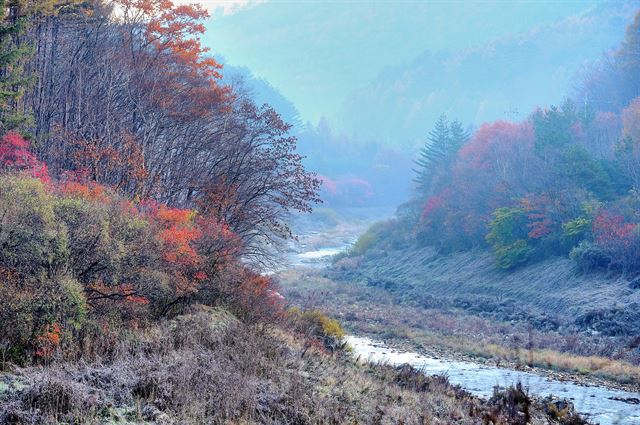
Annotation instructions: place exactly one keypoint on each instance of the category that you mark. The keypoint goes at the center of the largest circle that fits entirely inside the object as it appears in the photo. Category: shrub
(368, 239)
(32, 241)
(317, 325)
(36, 317)
(575, 230)
(619, 239)
(513, 255)
(507, 235)
(590, 257)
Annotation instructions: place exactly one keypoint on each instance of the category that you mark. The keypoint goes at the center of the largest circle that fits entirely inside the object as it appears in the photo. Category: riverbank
(456, 334)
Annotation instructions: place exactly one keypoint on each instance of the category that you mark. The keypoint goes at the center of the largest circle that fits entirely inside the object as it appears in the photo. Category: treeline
(565, 180)
(124, 93)
(133, 184)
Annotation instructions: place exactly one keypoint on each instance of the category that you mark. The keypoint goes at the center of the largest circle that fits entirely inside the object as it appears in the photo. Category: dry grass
(209, 367)
(381, 314)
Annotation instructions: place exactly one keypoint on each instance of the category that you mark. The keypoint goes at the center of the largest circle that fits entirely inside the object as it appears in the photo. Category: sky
(318, 52)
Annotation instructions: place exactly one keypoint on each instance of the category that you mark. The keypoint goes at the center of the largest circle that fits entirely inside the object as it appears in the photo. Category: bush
(317, 325)
(74, 254)
(590, 257)
(37, 317)
(513, 255)
(32, 241)
(507, 235)
(368, 239)
(575, 230)
(507, 226)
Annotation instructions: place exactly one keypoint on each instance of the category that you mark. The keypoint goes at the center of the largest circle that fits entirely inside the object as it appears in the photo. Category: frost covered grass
(209, 367)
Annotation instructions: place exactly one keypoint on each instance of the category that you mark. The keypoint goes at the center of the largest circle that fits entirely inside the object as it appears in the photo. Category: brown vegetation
(209, 367)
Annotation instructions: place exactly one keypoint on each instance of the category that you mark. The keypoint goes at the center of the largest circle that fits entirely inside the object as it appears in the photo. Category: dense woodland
(133, 183)
(564, 181)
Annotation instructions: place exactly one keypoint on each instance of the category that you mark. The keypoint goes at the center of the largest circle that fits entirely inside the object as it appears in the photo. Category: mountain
(503, 79)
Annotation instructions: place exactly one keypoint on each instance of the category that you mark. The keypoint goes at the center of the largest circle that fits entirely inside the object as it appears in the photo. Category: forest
(564, 181)
(133, 181)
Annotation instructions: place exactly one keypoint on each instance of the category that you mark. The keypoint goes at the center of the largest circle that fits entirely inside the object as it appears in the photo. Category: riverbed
(599, 404)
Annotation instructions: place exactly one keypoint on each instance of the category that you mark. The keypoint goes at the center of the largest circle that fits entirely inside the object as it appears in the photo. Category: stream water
(600, 404)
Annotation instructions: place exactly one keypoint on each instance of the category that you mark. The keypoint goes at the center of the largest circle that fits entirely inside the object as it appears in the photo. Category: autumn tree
(134, 102)
(612, 82)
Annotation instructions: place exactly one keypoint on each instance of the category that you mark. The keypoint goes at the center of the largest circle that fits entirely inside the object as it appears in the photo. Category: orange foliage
(178, 235)
(91, 191)
(174, 31)
(48, 340)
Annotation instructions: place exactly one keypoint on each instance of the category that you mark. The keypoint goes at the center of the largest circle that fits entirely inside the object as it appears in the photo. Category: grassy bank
(207, 366)
(456, 332)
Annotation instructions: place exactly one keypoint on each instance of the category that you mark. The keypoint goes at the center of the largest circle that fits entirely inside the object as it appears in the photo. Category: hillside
(206, 366)
(518, 72)
(547, 315)
(554, 288)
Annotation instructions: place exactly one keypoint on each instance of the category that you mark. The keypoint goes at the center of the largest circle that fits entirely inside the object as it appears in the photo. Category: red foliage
(258, 298)
(538, 212)
(433, 206)
(497, 143)
(492, 169)
(15, 155)
(610, 229)
(217, 242)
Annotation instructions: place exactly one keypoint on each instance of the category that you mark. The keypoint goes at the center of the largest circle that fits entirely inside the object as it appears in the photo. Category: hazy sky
(317, 52)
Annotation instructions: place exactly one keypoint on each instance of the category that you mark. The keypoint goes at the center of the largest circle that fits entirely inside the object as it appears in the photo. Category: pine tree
(431, 155)
(459, 136)
(12, 55)
(438, 154)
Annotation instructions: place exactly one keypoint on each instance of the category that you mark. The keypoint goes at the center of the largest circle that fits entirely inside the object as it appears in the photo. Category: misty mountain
(504, 79)
(262, 92)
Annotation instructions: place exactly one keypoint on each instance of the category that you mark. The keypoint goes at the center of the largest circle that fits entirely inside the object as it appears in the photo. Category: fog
(364, 83)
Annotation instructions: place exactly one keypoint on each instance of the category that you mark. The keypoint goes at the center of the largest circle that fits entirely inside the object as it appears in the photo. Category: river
(599, 404)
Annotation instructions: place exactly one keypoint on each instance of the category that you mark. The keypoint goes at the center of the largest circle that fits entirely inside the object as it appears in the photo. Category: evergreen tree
(13, 53)
(438, 154)
(431, 155)
(459, 136)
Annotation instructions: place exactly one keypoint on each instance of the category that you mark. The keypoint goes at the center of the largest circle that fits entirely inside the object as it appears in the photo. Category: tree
(17, 46)
(628, 58)
(627, 150)
(136, 104)
(553, 127)
(508, 237)
(611, 83)
(437, 155)
(459, 136)
(431, 155)
(12, 56)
